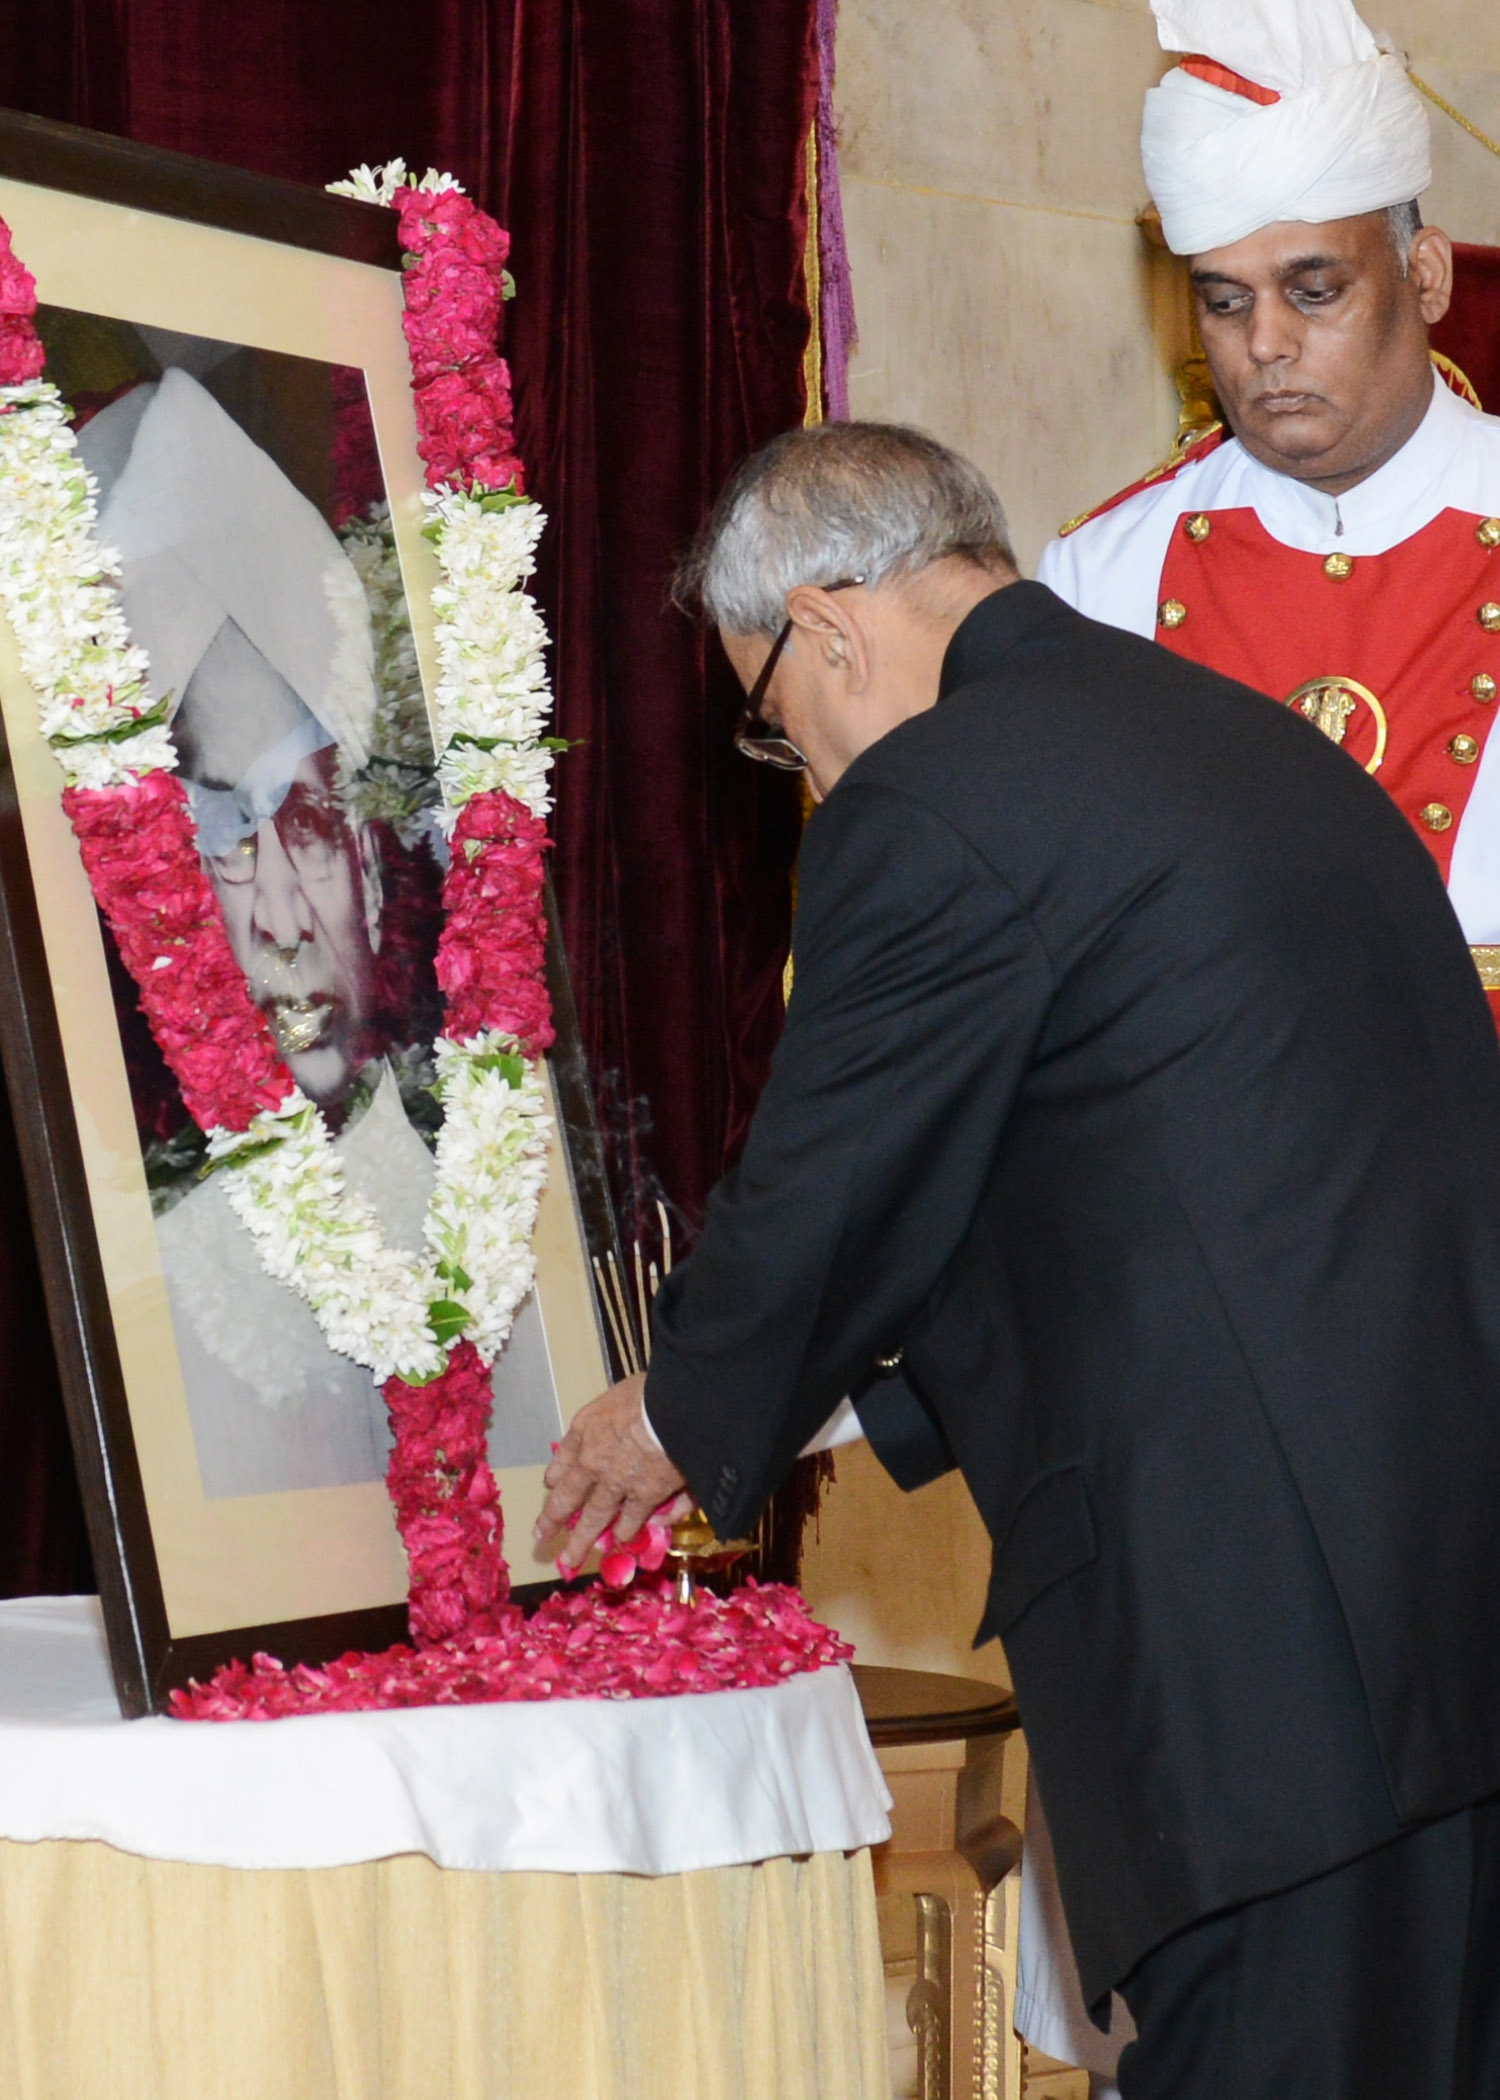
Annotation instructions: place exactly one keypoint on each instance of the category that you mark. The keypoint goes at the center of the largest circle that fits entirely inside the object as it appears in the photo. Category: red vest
(1396, 655)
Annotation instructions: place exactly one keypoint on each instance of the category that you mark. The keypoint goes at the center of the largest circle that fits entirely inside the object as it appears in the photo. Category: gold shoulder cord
(1182, 445)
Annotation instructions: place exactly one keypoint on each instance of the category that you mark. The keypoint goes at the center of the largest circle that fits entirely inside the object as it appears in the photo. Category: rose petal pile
(581, 1644)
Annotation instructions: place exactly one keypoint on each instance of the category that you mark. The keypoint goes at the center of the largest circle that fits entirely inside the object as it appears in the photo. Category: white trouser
(1050, 2012)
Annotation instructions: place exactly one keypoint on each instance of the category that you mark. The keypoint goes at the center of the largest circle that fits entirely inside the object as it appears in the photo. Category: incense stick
(622, 1305)
(666, 1237)
(626, 1353)
(634, 1347)
(645, 1305)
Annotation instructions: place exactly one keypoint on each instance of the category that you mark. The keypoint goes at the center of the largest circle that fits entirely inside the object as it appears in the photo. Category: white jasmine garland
(283, 1177)
(55, 583)
(285, 1183)
(379, 185)
(492, 1168)
(492, 700)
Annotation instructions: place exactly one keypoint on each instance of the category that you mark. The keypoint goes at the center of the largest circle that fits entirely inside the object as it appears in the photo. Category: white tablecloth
(637, 1786)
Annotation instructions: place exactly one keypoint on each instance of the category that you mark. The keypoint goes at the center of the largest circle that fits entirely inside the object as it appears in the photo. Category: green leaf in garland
(463, 739)
(508, 1063)
(447, 1319)
(240, 1158)
(123, 731)
(452, 1273)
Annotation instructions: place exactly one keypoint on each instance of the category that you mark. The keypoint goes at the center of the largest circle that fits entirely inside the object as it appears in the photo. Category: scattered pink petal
(583, 1643)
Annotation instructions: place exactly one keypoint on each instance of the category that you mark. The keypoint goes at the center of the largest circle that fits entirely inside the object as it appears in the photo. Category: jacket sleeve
(919, 991)
(901, 1429)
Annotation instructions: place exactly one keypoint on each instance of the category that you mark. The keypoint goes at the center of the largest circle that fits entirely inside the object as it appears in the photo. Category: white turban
(1346, 131)
(210, 531)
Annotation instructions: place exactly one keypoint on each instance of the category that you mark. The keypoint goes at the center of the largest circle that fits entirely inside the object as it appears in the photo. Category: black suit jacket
(1137, 1083)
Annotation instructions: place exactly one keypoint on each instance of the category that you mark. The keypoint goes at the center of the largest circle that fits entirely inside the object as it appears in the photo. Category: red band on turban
(1219, 76)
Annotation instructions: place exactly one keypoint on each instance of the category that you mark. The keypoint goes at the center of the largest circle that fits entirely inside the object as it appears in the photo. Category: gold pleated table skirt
(124, 1978)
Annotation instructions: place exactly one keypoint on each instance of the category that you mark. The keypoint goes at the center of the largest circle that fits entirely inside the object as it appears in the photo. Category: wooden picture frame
(155, 241)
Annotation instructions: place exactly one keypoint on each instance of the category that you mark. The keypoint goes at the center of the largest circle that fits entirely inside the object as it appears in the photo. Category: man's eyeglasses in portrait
(314, 834)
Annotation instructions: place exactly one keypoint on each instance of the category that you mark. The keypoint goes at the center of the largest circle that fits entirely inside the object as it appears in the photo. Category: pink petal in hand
(617, 1568)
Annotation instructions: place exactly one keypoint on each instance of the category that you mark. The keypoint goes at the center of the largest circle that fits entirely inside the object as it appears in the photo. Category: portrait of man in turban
(258, 629)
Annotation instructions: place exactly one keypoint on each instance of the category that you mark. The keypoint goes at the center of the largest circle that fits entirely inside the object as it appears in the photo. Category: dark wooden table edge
(993, 1711)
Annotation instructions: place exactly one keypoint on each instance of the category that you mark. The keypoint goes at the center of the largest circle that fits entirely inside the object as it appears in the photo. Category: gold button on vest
(1483, 687)
(1172, 612)
(1436, 816)
(1488, 534)
(1463, 750)
(1338, 567)
(1489, 617)
(1197, 527)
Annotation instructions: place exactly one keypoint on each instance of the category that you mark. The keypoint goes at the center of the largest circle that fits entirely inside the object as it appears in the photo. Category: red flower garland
(492, 953)
(141, 853)
(455, 288)
(447, 1503)
(21, 354)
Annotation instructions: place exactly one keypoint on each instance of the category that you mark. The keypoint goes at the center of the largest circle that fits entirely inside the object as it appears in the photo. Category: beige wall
(1005, 301)
(991, 182)
(1455, 46)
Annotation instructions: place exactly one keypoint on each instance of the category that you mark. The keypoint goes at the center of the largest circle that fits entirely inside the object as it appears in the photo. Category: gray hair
(872, 500)
(1403, 222)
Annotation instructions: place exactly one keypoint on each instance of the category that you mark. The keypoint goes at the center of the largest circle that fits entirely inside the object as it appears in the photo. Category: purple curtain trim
(840, 333)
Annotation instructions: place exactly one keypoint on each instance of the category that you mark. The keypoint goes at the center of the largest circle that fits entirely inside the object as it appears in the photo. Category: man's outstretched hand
(609, 1470)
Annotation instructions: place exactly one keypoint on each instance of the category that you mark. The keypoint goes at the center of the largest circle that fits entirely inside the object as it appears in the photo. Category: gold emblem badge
(1339, 567)
(1331, 704)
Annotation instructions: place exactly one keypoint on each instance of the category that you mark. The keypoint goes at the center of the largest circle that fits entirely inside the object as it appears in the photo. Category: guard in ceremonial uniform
(1335, 543)
(1375, 612)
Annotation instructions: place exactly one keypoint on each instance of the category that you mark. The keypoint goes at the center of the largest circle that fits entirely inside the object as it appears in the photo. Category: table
(947, 1880)
(595, 1898)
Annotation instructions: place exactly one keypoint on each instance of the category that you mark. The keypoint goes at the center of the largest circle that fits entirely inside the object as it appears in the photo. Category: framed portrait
(231, 350)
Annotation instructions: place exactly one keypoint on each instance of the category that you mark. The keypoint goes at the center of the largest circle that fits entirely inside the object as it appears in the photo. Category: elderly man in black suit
(1133, 1144)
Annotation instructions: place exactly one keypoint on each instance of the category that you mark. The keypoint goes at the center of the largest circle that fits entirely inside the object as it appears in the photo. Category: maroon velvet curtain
(1470, 334)
(647, 156)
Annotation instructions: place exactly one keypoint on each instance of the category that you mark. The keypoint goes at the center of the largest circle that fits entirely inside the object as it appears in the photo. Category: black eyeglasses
(756, 739)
